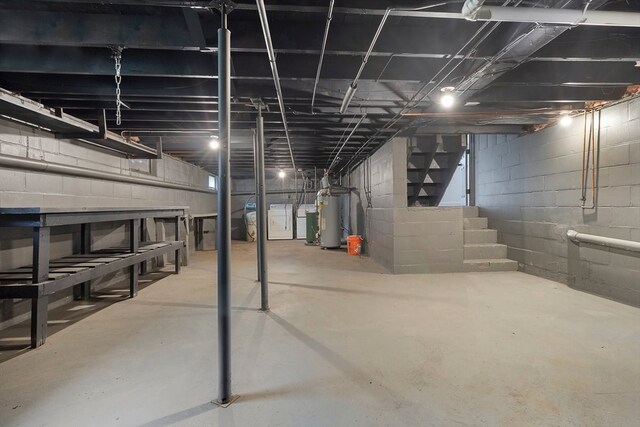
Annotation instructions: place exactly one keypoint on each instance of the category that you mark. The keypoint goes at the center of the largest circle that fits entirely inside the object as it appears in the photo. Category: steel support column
(224, 211)
(261, 214)
(257, 195)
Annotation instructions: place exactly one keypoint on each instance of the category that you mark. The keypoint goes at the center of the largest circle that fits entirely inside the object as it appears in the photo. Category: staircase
(481, 250)
(431, 162)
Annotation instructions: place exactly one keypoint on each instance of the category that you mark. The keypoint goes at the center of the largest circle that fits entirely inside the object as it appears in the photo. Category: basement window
(140, 165)
(213, 182)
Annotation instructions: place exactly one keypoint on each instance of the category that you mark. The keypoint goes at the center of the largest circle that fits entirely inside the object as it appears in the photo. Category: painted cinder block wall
(529, 187)
(19, 188)
(402, 239)
(377, 184)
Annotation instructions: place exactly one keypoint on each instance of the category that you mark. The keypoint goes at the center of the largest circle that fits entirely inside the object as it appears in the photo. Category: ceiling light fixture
(447, 100)
(282, 173)
(214, 144)
(565, 120)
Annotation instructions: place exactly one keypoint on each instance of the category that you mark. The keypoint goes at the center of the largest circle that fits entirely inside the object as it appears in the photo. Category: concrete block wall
(384, 175)
(25, 188)
(403, 239)
(529, 188)
(428, 240)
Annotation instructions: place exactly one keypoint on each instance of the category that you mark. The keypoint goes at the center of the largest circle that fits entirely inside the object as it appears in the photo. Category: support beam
(261, 215)
(83, 290)
(40, 268)
(224, 212)
(195, 28)
(94, 29)
(257, 193)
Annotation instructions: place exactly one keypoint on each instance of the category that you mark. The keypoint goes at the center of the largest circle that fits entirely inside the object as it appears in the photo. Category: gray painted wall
(24, 188)
(372, 217)
(529, 188)
(403, 239)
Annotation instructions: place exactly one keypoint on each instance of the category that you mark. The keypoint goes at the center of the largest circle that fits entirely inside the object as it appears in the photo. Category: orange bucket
(354, 245)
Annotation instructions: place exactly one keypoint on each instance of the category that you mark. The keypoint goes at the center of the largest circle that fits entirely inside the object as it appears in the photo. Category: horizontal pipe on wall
(252, 193)
(627, 245)
(48, 167)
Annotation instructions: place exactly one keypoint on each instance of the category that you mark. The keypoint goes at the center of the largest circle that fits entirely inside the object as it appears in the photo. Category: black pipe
(224, 211)
(261, 215)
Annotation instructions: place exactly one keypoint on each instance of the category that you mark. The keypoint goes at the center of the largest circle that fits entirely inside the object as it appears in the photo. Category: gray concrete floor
(345, 344)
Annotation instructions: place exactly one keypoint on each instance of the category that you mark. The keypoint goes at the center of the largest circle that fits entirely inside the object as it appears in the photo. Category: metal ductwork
(474, 10)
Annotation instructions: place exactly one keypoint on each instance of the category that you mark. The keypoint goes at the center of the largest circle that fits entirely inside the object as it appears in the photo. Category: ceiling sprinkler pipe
(348, 96)
(262, 12)
(324, 45)
(354, 85)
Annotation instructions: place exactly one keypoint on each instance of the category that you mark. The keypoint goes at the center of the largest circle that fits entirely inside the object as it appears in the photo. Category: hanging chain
(117, 56)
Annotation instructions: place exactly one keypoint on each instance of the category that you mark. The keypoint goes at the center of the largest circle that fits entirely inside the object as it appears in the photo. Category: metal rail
(609, 242)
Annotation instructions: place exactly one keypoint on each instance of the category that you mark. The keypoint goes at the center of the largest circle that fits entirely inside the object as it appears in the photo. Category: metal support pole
(257, 183)
(261, 215)
(224, 211)
(471, 169)
(134, 242)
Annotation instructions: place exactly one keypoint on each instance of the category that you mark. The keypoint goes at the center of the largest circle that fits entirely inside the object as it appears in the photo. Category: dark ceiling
(508, 76)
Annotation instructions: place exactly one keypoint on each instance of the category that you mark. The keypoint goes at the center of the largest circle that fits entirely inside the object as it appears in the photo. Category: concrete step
(478, 265)
(486, 235)
(485, 251)
(475, 223)
(470, 212)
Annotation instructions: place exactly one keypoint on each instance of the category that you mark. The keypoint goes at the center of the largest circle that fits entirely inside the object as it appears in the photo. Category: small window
(213, 182)
(140, 165)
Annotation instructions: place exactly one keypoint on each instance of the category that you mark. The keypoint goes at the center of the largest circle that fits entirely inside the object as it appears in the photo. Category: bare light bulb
(566, 120)
(214, 144)
(282, 174)
(447, 100)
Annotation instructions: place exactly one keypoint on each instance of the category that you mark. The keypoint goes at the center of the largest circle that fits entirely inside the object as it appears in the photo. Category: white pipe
(627, 245)
(262, 11)
(348, 96)
(324, 45)
(335, 159)
(555, 16)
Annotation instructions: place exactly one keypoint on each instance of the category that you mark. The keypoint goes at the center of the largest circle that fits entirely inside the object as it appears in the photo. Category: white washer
(280, 218)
